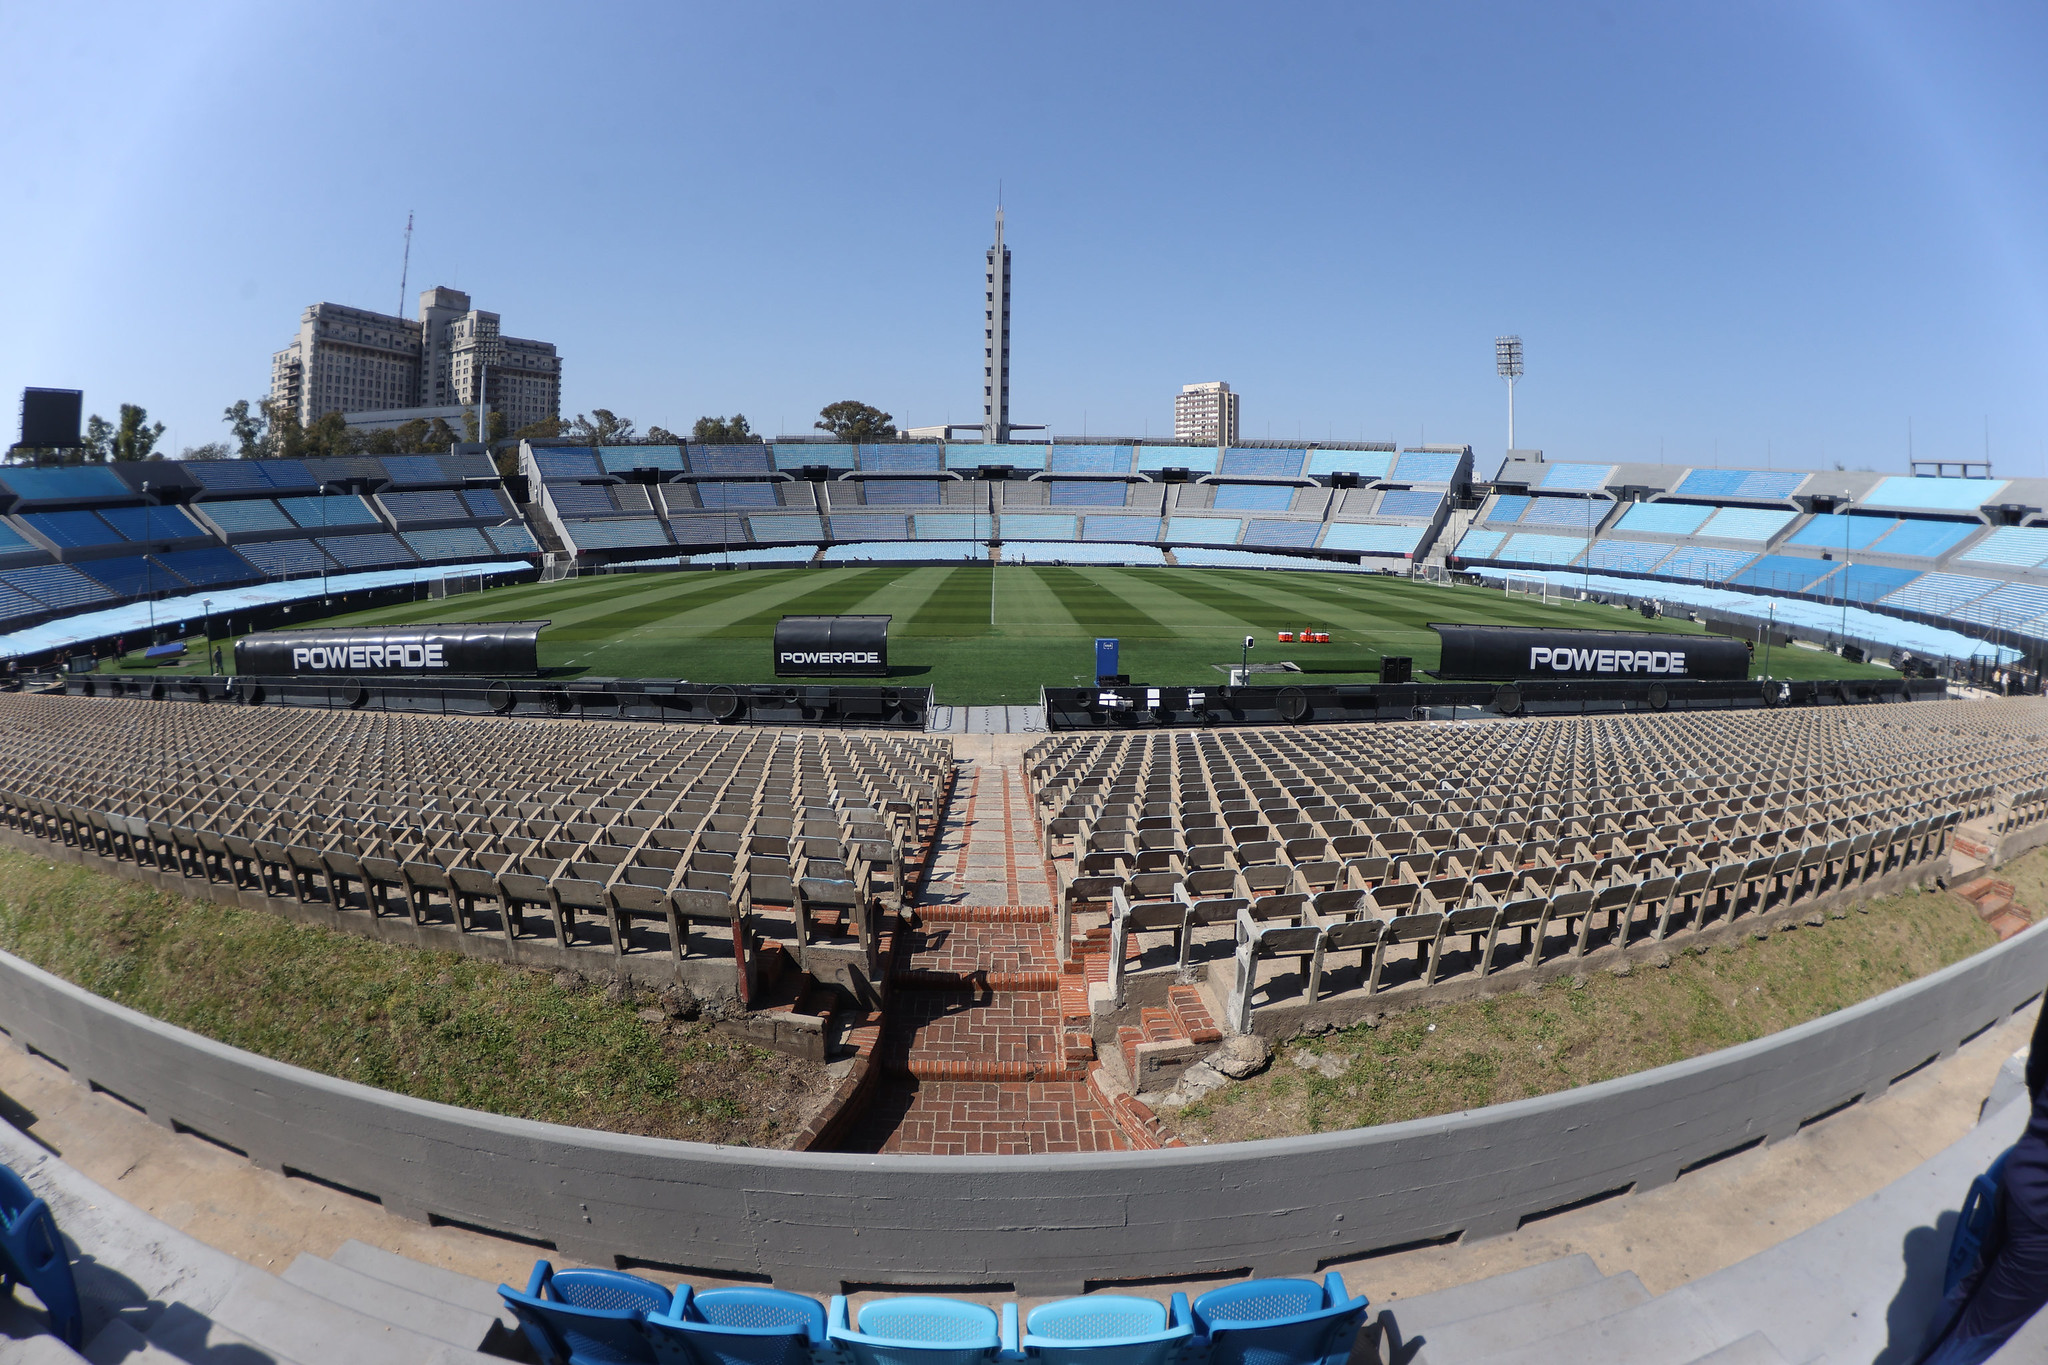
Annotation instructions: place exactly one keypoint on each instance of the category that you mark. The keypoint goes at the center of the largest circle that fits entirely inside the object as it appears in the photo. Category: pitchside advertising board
(1514, 652)
(832, 647)
(490, 648)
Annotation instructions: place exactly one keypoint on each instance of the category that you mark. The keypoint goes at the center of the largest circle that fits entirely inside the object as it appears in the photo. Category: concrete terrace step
(1401, 1321)
(1537, 1320)
(120, 1344)
(1664, 1331)
(313, 1330)
(392, 1303)
(449, 1286)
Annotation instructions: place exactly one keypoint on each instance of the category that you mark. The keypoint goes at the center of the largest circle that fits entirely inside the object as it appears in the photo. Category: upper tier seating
(1079, 493)
(13, 542)
(1576, 477)
(1664, 518)
(73, 483)
(566, 463)
(721, 497)
(1263, 464)
(582, 500)
(908, 459)
(1253, 497)
(1505, 508)
(901, 492)
(366, 551)
(1367, 464)
(1934, 495)
(1739, 483)
(71, 530)
(1419, 467)
(487, 503)
(789, 456)
(616, 458)
(1090, 460)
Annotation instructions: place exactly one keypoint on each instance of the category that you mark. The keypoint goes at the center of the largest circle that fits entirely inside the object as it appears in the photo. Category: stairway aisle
(979, 1059)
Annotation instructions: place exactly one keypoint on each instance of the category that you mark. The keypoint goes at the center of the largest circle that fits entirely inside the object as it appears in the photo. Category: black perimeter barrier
(641, 699)
(1129, 708)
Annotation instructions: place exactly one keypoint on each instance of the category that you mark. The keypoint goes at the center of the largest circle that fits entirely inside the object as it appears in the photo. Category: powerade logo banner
(1507, 653)
(832, 647)
(485, 648)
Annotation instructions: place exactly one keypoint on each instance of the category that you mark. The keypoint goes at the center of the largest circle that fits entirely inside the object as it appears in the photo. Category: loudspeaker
(1397, 668)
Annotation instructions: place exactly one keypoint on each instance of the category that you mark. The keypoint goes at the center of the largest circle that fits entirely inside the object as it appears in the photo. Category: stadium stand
(71, 530)
(1264, 464)
(365, 551)
(869, 526)
(1367, 464)
(617, 458)
(214, 565)
(151, 523)
(1287, 534)
(285, 558)
(903, 459)
(2020, 546)
(449, 543)
(565, 463)
(1856, 531)
(1576, 477)
(738, 496)
(1577, 513)
(602, 839)
(407, 508)
(1134, 528)
(12, 542)
(1752, 484)
(77, 483)
(1422, 467)
(1783, 573)
(486, 503)
(950, 526)
(1746, 523)
(1630, 556)
(706, 529)
(901, 492)
(1704, 563)
(1070, 552)
(730, 460)
(58, 587)
(1481, 545)
(247, 516)
(1934, 495)
(1529, 548)
(582, 500)
(324, 513)
(2011, 606)
(1038, 526)
(1205, 530)
(1925, 539)
(1663, 518)
(511, 540)
(1252, 497)
(129, 575)
(1940, 594)
(1197, 460)
(1066, 459)
(1080, 493)
(1408, 503)
(1864, 582)
(1373, 540)
(1284, 851)
(1504, 509)
(1207, 557)
(786, 526)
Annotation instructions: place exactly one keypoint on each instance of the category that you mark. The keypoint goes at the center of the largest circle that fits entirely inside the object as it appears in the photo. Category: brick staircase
(1992, 898)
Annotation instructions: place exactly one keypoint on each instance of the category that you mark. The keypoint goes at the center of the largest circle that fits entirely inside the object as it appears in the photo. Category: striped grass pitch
(983, 635)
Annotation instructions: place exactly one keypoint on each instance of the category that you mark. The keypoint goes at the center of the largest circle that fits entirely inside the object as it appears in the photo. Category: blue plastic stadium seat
(456, 542)
(284, 558)
(324, 513)
(487, 503)
(245, 516)
(640, 532)
(566, 463)
(1090, 460)
(512, 540)
(1634, 556)
(1280, 1322)
(586, 1317)
(720, 497)
(1253, 497)
(1373, 539)
(1529, 548)
(75, 483)
(1107, 1329)
(791, 455)
(1372, 464)
(32, 1253)
(615, 458)
(1480, 544)
(893, 492)
(741, 1326)
(1572, 513)
(1747, 523)
(1417, 467)
(870, 526)
(1293, 535)
(1131, 528)
(1577, 477)
(1039, 526)
(1856, 531)
(902, 459)
(2020, 546)
(129, 575)
(1786, 573)
(1932, 494)
(1505, 508)
(1864, 582)
(1194, 459)
(921, 1330)
(440, 505)
(366, 551)
(56, 586)
(414, 469)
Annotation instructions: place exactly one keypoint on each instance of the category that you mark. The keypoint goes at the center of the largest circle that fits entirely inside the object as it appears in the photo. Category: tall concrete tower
(995, 375)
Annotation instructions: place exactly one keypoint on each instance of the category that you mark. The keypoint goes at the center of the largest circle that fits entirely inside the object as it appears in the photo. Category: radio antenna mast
(405, 268)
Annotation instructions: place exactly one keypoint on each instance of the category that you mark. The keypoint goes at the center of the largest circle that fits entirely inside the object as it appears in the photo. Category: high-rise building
(354, 361)
(995, 374)
(1205, 412)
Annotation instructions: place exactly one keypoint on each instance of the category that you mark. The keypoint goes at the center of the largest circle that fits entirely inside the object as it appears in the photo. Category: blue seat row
(609, 1317)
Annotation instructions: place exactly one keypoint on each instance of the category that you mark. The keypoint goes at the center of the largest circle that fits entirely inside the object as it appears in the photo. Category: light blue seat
(1279, 1322)
(1107, 1329)
(920, 1330)
(586, 1317)
(741, 1326)
(32, 1253)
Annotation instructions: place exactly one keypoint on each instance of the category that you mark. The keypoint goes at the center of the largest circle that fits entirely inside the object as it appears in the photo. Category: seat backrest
(590, 1315)
(1413, 928)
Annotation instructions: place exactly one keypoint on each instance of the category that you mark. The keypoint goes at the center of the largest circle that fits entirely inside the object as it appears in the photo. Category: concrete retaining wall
(1039, 1224)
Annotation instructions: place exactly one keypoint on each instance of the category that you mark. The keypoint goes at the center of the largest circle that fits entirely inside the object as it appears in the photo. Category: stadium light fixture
(1507, 362)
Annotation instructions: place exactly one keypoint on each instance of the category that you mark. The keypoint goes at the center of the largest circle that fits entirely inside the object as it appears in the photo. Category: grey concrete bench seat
(1542, 1319)
(391, 1303)
(449, 1286)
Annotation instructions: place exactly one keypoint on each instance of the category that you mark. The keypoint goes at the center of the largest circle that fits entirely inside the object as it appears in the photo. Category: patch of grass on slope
(1445, 1058)
(437, 1026)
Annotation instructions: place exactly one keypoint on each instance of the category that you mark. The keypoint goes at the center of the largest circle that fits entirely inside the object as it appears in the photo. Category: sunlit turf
(985, 635)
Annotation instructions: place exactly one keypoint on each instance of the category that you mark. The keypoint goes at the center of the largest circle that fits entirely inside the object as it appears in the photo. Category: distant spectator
(2011, 1284)
(216, 659)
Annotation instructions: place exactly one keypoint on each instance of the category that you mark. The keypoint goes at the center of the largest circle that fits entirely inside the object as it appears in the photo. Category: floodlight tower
(1507, 362)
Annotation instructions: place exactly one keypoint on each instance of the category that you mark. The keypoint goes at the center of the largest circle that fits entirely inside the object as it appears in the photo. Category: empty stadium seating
(1465, 853)
(611, 839)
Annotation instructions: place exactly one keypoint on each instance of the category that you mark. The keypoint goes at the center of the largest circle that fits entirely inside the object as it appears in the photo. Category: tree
(724, 431)
(99, 440)
(850, 421)
(497, 425)
(250, 428)
(545, 429)
(212, 450)
(601, 428)
(137, 436)
(439, 437)
(285, 439)
(411, 438)
(328, 437)
(664, 435)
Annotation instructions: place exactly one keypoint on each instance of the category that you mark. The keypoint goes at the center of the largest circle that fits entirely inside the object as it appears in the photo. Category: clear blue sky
(1725, 230)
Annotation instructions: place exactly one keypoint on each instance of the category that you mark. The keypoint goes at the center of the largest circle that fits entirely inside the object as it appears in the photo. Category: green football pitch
(983, 635)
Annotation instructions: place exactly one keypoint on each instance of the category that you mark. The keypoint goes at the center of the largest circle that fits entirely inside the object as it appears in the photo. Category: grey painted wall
(1041, 1224)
